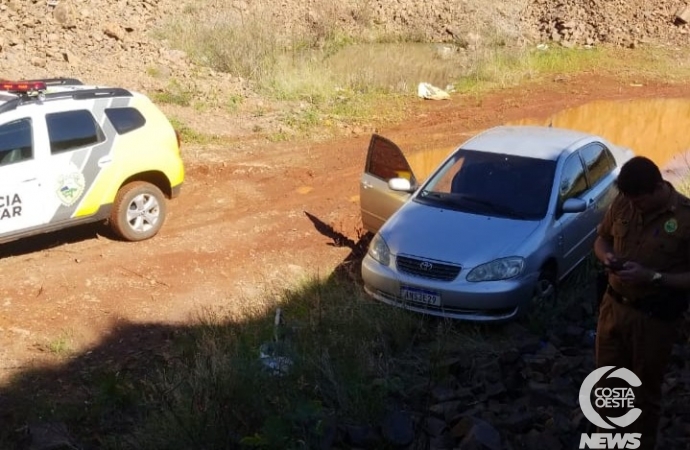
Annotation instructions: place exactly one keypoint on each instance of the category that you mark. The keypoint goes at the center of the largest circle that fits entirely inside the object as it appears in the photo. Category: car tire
(546, 289)
(139, 211)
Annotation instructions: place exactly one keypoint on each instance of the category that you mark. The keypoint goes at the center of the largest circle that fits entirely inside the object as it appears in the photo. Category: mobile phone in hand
(616, 265)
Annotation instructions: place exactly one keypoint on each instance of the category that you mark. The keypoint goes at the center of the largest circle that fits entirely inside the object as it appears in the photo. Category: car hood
(453, 236)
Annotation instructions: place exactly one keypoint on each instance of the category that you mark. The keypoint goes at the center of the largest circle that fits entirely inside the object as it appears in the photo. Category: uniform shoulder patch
(671, 225)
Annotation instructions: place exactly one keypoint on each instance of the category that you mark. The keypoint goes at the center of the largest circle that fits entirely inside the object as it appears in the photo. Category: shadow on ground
(96, 393)
(45, 241)
(205, 385)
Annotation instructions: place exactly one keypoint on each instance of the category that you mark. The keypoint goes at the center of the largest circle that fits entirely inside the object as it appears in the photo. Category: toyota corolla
(495, 227)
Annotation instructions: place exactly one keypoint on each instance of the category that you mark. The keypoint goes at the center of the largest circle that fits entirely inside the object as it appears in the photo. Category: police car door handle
(105, 161)
(28, 180)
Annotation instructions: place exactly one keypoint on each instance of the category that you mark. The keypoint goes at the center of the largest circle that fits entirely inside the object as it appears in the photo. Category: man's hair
(638, 176)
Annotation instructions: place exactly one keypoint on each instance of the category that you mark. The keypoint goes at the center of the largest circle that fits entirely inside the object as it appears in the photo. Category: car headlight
(500, 269)
(378, 249)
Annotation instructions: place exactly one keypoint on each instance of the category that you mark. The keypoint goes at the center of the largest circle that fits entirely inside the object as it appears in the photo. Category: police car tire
(124, 199)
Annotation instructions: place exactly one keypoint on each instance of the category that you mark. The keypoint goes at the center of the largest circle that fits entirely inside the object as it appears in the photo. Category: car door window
(573, 182)
(388, 161)
(70, 130)
(16, 143)
(598, 162)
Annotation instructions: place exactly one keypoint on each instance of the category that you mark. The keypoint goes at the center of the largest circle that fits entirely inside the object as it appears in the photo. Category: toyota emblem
(426, 266)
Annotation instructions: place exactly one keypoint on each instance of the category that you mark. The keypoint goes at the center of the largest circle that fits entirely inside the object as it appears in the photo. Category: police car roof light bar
(22, 87)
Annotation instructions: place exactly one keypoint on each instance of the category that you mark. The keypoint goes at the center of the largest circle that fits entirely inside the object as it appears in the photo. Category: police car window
(573, 181)
(125, 119)
(16, 143)
(597, 162)
(70, 130)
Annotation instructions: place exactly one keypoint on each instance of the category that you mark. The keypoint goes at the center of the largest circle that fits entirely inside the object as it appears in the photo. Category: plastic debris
(273, 355)
(429, 92)
(271, 358)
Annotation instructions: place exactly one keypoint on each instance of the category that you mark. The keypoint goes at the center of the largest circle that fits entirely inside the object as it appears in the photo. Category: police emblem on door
(70, 187)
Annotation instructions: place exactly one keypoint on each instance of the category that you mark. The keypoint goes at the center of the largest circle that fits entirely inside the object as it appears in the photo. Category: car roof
(63, 89)
(529, 140)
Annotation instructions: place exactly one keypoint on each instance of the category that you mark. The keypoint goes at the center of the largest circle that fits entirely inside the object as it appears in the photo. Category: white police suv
(72, 153)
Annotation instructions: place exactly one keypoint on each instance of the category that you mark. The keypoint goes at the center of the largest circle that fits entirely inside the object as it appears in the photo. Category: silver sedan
(499, 223)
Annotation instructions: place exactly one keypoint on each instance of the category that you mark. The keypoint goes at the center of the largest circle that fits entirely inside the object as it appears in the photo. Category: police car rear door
(79, 149)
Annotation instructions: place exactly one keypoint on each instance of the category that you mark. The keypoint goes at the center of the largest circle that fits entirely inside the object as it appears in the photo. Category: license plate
(416, 295)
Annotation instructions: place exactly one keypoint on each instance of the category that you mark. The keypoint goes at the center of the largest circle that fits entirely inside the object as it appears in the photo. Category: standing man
(644, 240)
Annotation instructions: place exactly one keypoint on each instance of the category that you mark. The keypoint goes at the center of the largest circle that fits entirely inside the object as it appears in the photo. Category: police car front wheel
(139, 211)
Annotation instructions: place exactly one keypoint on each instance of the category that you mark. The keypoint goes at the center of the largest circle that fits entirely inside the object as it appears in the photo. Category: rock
(509, 356)
(49, 436)
(683, 15)
(435, 427)
(64, 14)
(476, 433)
(495, 390)
(442, 394)
(446, 410)
(362, 436)
(520, 421)
(38, 62)
(114, 31)
(398, 429)
(443, 442)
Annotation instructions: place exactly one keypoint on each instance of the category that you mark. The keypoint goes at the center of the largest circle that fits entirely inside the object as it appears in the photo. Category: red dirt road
(239, 229)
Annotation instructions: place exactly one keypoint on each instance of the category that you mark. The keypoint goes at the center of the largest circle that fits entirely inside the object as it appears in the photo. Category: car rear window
(70, 130)
(125, 119)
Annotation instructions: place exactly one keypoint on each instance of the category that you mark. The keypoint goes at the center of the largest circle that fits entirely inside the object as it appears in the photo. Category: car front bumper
(492, 301)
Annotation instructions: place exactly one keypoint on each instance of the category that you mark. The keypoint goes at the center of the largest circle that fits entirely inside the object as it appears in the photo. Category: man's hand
(635, 273)
(609, 259)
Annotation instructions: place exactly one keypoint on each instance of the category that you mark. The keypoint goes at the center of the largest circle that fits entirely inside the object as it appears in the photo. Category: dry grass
(338, 61)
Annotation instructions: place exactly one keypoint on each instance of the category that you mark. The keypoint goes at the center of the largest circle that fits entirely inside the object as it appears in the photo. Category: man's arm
(679, 281)
(603, 249)
(636, 273)
(603, 245)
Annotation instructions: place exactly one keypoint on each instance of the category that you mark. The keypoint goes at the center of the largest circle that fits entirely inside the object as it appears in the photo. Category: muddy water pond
(656, 128)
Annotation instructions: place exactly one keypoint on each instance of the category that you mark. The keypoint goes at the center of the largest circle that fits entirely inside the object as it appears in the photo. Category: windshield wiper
(495, 207)
(457, 199)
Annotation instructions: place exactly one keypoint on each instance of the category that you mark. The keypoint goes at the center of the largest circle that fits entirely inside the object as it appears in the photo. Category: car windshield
(493, 184)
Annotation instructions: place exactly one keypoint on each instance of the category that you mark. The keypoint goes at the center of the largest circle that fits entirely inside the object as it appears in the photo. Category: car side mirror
(400, 184)
(574, 205)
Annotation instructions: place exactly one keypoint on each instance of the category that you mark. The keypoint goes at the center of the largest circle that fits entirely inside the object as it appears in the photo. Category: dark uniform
(638, 324)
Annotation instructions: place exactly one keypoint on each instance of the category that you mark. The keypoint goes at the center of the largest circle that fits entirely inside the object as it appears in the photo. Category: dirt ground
(251, 219)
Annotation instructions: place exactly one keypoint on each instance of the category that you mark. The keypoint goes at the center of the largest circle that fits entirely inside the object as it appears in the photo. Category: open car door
(377, 201)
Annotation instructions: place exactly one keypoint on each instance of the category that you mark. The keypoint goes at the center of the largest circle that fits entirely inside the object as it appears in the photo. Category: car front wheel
(139, 211)
(545, 290)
